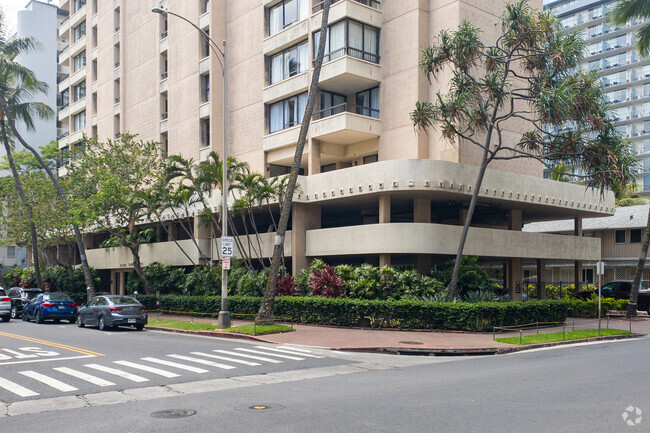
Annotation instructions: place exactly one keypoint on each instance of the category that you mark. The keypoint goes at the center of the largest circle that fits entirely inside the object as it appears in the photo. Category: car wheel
(80, 323)
(38, 317)
(6, 318)
(139, 326)
(102, 324)
(14, 312)
(72, 320)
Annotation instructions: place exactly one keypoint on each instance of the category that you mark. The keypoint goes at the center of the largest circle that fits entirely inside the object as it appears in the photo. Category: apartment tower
(372, 190)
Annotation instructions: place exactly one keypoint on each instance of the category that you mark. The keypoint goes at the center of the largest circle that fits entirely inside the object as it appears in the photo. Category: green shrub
(580, 308)
(406, 314)
(480, 296)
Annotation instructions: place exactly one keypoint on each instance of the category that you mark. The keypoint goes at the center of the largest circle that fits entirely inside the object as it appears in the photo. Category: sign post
(600, 270)
(227, 243)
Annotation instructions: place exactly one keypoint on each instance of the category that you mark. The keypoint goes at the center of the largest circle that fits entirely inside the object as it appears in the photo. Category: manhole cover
(260, 407)
(411, 342)
(173, 413)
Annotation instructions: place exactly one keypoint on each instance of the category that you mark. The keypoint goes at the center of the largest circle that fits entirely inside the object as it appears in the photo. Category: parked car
(112, 310)
(50, 306)
(620, 289)
(5, 306)
(19, 297)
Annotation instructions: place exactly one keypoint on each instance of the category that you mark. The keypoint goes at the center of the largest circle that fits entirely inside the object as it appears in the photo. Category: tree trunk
(137, 265)
(452, 290)
(80, 245)
(266, 313)
(638, 272)
(28, 207)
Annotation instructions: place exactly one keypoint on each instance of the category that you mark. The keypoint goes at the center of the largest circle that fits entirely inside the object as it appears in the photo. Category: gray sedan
(5, 306)
(109, 311)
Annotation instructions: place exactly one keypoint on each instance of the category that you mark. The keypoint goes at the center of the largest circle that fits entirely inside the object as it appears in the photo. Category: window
(205, 88)
(328, 167)
(79, 31)
(594, 31)
(205, 6)
(350, 38)
(620, 236)
(11, 252)
(370, 159)
(635, 236)
(80, 61)
(286, 13)
(279, 170)
(288, 63)
(79, 91)
(79, 121)
(205, 132)
(64, 98)
(368, 103)
(205, 51)
(78, 4)
(287, 113)
(331, 103)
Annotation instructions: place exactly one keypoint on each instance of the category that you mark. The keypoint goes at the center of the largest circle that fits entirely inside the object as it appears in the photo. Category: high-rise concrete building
(372, 190)
(625, 75)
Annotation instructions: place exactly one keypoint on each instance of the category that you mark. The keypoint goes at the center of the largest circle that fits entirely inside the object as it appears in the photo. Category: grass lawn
(557, 336)
(201, 326)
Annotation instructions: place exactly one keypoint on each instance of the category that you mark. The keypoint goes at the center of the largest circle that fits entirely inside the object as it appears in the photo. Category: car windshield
(31, 294)
(2, 292)
(57, 297)
(124, 300)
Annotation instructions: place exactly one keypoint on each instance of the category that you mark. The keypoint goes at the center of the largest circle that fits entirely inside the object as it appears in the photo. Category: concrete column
(577, 267)
(462, 215)
(202, 231)
(422, 214)
(515, 277)
(303, 217)
(541, 279)
(313, 161)
(384, 218)
(122, 288)
(515, 220)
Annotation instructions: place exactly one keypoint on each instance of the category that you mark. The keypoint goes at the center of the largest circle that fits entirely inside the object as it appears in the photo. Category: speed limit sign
(227, 246)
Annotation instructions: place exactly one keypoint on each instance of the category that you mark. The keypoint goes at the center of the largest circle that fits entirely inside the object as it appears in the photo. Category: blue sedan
(50, 306)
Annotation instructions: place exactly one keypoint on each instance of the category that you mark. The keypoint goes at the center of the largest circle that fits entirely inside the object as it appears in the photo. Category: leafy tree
(627, 10)
(266, 312)
(112, 176)
(529, 80)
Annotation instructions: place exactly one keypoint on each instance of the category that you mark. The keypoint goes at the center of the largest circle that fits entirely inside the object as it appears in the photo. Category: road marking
(203, 361)
(116, 372)
(288, 352)
(52, 344)
(258, 358)
(84, 376)
(16, 389)
(31, 361)
(154, 370)
(56, 384)
(295, 358)
(224, 358)
(295, 349)
(176, 365)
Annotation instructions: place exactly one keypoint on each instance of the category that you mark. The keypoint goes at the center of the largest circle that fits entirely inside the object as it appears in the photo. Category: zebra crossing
(171, 366)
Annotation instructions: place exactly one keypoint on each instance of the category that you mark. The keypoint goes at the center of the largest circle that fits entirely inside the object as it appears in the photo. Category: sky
(10, 8)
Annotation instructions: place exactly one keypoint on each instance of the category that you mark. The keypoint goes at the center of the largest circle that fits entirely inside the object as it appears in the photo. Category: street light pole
(224, 315)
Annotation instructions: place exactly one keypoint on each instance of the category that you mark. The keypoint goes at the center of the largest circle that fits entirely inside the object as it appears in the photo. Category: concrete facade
(373, 191)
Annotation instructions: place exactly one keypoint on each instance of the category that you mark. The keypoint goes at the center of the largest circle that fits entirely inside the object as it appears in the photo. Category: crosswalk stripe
(296, 349)
(16, 389)
(202, 361)
(56, 384)
(154, 370)
(223, 358)
(84, 376)
(295, 358)
(258, 358)
(288, 352)
(116, 372)
(176, 365)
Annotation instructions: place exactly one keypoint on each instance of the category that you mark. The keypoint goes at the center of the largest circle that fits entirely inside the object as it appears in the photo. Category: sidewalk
(406, 342)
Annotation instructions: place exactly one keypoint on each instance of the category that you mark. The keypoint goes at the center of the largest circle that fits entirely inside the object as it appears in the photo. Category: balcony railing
(163, 35)
(353, 52)
(346, 108)
(163, 75)
(164, 115)
(63, 135)
(64, 20)
(375, 4)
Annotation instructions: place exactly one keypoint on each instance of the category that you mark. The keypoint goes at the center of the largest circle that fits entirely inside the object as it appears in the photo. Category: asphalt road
(579, 388)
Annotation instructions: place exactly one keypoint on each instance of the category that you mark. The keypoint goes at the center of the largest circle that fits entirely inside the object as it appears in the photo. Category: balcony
(167, 253)
(93, 120)
(204, 153)
(64, 112)
(204, 20)
(349, 74)
(77, 77)
(164, 45)
(286, 38)
(285, 88)
(93, 54)
(116, 107)
(355, 9)
(346, 124)
(76, 136)
(64, 27)
(64, 84)
(116, 36)
(116, 4)
(78, 106)
(94, 20)
(163, 84)
(204, 65)
(78, 17)
(204, 110)
(61, 133)
(78, 46)
(163, 125)
(280, 139)
(94, 86)
(117, 72)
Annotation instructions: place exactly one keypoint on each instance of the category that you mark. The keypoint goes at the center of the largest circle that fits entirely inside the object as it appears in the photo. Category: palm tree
(635, 9)
(18, 84)
(15, 77)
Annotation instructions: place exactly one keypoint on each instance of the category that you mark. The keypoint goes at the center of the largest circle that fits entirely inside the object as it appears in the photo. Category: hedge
(579, 308)
(407, 314)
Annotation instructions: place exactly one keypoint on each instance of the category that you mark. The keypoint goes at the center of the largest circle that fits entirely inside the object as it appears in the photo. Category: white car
(5, 306)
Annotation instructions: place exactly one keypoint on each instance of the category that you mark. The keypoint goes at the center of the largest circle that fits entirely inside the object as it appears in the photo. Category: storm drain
(173, 413)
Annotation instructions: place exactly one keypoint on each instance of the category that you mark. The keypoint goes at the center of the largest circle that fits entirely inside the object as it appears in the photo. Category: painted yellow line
(52, 344)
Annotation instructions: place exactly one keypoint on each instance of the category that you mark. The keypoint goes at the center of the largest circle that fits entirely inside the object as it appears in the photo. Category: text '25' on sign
(227, 246)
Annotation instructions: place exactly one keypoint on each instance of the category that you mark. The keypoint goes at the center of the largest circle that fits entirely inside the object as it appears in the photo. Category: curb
(231, 335)
(565, 342)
